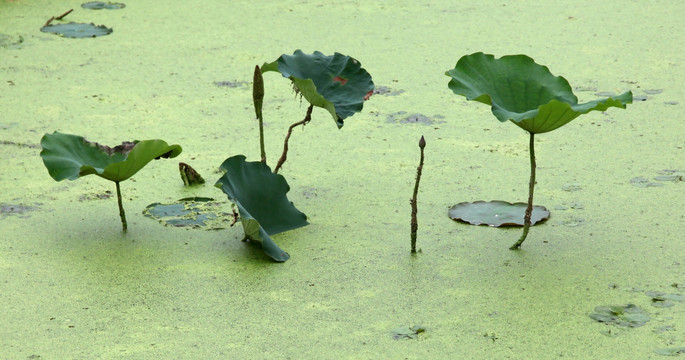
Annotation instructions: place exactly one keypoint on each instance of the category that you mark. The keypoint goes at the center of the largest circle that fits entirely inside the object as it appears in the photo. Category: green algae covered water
(72, 285)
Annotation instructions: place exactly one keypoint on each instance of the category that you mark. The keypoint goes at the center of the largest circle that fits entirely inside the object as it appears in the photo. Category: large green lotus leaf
(336, 83)
(70, 156)
(260, 196)
(520, 90)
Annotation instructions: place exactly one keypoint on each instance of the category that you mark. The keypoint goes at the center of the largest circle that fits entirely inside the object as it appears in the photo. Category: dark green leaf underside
(336, 83)
(260, 196)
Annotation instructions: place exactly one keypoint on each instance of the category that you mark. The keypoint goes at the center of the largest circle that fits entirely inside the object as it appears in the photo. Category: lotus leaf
(408, 332)
(70, 157)
(77, 30)
(263, 205)
(97, 5)
(520, 90)
(670, 351)
(496, 213)
(336, 83)
(194, 212)
(622, 316)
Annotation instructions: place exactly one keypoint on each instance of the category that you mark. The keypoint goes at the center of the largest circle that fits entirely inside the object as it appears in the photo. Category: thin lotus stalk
(412, 201)
(284, 156)
(122, 214)
(531, 186)
(258, 100)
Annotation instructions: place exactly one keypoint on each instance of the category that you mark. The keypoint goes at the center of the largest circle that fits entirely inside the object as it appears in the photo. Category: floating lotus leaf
(70, 156)
(260, 196)
(496, 213)
(77, 30)
(670, 351)
(520, 90)
(622, 316)
(97, 5)
(194, 212)
(336, 83)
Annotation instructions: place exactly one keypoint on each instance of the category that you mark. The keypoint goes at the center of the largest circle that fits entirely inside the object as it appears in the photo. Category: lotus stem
(258, 100)
(284, 156)
(531, 186)
(412, 201)
(121, 207)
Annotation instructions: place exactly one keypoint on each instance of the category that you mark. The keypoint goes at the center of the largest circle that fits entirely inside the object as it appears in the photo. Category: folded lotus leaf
(77, 30)
(70, 156)
(520, 90)
(336, 83)
(263, 205)
(496, 213)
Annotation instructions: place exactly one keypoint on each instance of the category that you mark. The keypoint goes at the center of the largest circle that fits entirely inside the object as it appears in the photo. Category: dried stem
(412, 201)
(57, 17)
(258, 100)
(121, 207)
(63, 15)
(284, 156)
(531, 186)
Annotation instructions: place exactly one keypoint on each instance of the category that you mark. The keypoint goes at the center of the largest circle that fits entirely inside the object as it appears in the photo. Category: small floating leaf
(623, 316)
(496, 213)
(77, 30)
(97, 5)
(659, 296)
(643, 182)
(407, 332)
(571, 187)
(670, 351)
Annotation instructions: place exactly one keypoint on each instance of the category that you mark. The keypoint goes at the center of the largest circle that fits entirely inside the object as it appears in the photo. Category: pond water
(74, 286)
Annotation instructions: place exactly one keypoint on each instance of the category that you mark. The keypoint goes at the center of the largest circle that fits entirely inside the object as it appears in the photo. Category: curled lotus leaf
(69, 156)
(336, 83)
(260, 196)
(496, 213)
(77, 30)
(520, 90)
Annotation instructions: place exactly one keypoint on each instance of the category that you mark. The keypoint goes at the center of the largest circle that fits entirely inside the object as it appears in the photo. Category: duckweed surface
(75, 286)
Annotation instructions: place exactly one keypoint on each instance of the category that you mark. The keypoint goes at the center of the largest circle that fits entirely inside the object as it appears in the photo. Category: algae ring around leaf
(496, 213)
(77, 30)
